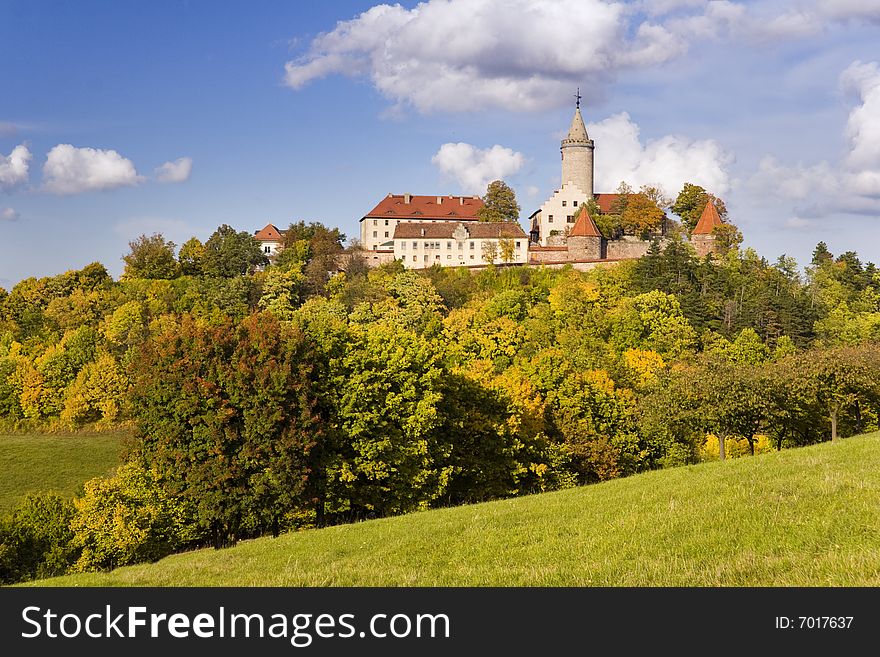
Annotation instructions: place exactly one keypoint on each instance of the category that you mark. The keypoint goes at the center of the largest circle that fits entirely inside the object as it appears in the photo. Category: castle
(422, 231)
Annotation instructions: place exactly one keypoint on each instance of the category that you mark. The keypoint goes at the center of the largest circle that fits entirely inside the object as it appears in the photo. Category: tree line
(268, 397)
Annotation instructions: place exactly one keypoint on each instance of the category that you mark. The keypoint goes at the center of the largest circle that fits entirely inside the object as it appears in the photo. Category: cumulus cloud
(460, 55)
(668, 162)
(863, 124)
(14, 167)
(70, 170)
(474, 168)
(174, 172)
(853, 185)
(722, 19)
(8, 214)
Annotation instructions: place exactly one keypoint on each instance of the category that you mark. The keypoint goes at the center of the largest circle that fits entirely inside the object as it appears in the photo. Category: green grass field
(803, 517)
(35, 462)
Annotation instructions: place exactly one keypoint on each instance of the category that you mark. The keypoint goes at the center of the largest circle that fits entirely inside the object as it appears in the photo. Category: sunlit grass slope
(802, 517)
(35, 462)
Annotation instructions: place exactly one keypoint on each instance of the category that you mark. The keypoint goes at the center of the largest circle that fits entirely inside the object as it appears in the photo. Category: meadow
(799, 517)
(56, 462)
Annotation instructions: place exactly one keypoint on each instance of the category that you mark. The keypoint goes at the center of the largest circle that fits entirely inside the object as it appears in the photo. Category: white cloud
(175, 172)
(462, 55)
(852, 186)
(798, 222)
(850, 9)
(70, 170)
(8, 214)
(863, 125)
(722, 19)
(14, 167)
(475, 168)
(668, 162)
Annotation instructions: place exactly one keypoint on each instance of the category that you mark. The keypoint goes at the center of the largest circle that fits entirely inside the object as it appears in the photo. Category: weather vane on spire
(578, 98)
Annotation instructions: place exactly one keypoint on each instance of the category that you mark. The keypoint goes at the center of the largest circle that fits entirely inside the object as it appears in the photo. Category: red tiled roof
(451, 208)
(606, 201)
(268, 234)
(584, 226)
(708, 220)
(444, 230)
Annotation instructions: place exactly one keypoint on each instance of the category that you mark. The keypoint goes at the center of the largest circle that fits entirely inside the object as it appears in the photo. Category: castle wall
(626, 247)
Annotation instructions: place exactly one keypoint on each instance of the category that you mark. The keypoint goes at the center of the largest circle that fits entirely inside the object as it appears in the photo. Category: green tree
(151, 257)
(35, 538)
(229, 253)
(499, 203)
(690, 203)
(128, 518)
(226, 418)
(192, 253)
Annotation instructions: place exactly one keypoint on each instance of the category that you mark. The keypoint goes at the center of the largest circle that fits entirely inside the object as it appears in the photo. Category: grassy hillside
(53, 462)
(807, 517)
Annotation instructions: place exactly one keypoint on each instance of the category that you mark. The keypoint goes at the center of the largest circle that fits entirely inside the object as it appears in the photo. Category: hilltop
(800, 517)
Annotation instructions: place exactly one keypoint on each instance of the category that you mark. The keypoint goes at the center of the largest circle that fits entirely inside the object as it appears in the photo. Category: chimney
(461, 200)
(423, 232)
(407, 198)
(439, 200)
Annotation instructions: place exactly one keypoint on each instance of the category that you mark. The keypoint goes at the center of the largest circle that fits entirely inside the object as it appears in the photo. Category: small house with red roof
(270, 239)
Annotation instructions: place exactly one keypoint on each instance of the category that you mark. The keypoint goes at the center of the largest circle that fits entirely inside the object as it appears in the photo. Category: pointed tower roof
(708, 220)
(577, 132)
(584, 226)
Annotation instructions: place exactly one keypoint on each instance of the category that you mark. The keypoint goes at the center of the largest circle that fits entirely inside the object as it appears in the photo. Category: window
(472, 256)
(472, 248)
(460, 256)
(426, 257)
(569, 219)
(428, 245)
(414, 258)
(575, 204)
(375, 234)
(449, 256)
(386, 233)
(267, 249)
(448, 246)
(403, 246)
(460, 246)
(415, 245)
(549, 218)
(517, 245)
(437, 257)
(375, 222)
(563, 203)
(386, 222)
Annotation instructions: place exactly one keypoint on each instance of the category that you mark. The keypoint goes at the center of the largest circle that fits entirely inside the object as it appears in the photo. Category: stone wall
(626, 248)
(585, 248)
(703, 244)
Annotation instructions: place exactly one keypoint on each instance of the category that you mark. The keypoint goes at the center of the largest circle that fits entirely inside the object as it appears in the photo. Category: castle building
(459, 243)
(378, 225)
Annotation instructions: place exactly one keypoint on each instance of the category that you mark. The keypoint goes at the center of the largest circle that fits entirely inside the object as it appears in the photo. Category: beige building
(459, 244)
(378, 225)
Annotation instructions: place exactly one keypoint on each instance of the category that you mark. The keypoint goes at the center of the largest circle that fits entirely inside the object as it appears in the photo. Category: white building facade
(459, 244)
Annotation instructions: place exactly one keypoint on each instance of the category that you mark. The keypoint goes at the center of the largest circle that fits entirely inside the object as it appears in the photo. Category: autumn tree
(151, 257)
(642, 216)
(192, 253)
(225, 417)
(499, 203)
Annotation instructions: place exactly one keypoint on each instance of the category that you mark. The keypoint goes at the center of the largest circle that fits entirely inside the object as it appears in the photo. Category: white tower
(577, 154)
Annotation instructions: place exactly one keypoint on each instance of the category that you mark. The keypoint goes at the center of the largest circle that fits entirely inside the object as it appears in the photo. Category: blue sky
(122, 118)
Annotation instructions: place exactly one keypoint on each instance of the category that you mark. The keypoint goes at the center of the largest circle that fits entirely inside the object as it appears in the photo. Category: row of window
(436, 245)
(569, 218)
(575, 203)
(437, 257)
